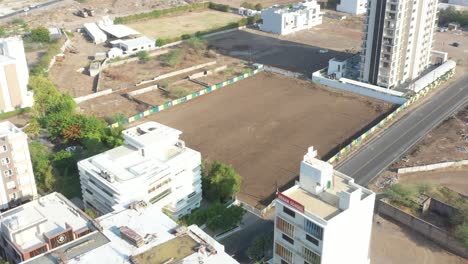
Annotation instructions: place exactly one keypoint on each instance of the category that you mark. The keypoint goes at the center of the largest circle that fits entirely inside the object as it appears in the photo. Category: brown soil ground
(65, 74)
(263, 126)
(128, 74)
(447, 142)
(107, 106)
(394, 244)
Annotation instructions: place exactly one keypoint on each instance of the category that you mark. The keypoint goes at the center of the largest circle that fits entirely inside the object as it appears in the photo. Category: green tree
(261, 245)
(258, 7)
(33, 128)
(143, 56)
(248, 5)
(40, 34)
(253, 19)
(43, 170)
(223, 182)
(197, 44)
(217, 217)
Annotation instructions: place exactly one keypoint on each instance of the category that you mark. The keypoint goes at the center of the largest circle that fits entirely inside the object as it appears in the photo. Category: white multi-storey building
(283, 20)
(14, 75)
(354, 7)
(17, 182)
(398, 41)
(325, 219)
(153, 165)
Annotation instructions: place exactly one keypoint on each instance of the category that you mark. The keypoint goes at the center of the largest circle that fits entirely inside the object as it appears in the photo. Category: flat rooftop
(173, 250)
(148, 151)
(7, 127)
(326, 204)
(160, 242)
(49, 213)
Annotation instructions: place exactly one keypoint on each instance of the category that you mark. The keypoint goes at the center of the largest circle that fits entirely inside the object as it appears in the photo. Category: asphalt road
(31, 8)
(375, 156)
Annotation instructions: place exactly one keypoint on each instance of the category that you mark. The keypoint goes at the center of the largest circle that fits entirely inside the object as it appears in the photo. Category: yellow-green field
(186, 23)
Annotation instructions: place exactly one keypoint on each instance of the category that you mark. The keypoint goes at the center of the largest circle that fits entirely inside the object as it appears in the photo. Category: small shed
(55, 33)
(95, 33)
(131, 46)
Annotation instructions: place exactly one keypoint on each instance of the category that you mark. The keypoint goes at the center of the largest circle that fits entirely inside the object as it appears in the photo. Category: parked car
(456, 44)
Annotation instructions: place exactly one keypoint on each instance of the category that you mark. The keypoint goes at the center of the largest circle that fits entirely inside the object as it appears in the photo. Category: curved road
(375, 156)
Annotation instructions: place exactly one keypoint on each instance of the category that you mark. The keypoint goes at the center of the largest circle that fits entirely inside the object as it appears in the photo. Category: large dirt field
(393, 244)
(185, 23)
(263, 126)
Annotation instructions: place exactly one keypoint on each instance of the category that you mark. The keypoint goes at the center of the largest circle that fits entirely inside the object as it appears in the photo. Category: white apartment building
(354, 7)
(142, 234)
(17, 182)
(284, 20)
(398, 41)
(153, 165)
(324, 219)
(14, 75)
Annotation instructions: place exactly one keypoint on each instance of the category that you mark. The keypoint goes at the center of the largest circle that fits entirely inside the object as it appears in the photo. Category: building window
(313, 229)
(283, 252)
(284, 226)
(312, 240)
(8, 173)
(88, 191)
(284, 262)
(290, 240)
(4, 148)
(5, 161)
(289, 211)
(191, 195)
(310, 256)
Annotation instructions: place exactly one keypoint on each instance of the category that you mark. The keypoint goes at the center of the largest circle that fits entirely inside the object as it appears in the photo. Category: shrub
(3, 32)
(254, 19)
(452, 15)
(197, 44)
(219, 7)
(258, 7)
(402, 195)
(143, 56)
(172, 58)
(185, 36)
(40, 34)
(178, 93)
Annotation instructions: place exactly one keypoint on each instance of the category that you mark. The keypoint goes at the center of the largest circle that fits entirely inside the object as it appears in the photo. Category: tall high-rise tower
(398, 40)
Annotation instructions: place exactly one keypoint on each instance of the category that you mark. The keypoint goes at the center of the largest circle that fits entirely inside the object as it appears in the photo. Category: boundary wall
(434, 166)
(281, 71)
(187, 98)
(92, 96)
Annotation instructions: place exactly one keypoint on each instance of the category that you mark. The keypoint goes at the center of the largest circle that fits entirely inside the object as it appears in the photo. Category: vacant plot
(186, 23)
(263, 126)
(447, 142)
(392, 244)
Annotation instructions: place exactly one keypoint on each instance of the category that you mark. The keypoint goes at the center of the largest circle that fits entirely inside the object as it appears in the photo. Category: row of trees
(452, 15)
(252, 6)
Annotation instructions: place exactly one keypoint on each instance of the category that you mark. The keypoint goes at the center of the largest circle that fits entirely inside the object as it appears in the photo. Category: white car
(70, 148)
(323, 51)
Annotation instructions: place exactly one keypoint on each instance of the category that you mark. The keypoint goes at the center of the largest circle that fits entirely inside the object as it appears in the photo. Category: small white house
(283, 20)
(114, 53)
(354, 7)
(55, 33)
(131, 46)
(336, 68)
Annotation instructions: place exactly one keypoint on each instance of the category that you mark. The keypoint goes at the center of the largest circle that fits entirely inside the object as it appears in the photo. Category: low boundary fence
(436, 234)
(358, 141)
(434, 166)
(187, 98)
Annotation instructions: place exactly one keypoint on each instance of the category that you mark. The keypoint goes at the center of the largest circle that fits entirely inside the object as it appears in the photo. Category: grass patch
(172, 58)
(15, 112)
(176, 93)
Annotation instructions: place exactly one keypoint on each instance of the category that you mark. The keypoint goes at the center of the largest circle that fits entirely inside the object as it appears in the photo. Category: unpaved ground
(107, 106)
(263, 126)
(185, 23)
(453, 178)
(128, 74)
(394, 244)
(447, 142)
(65, 74)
